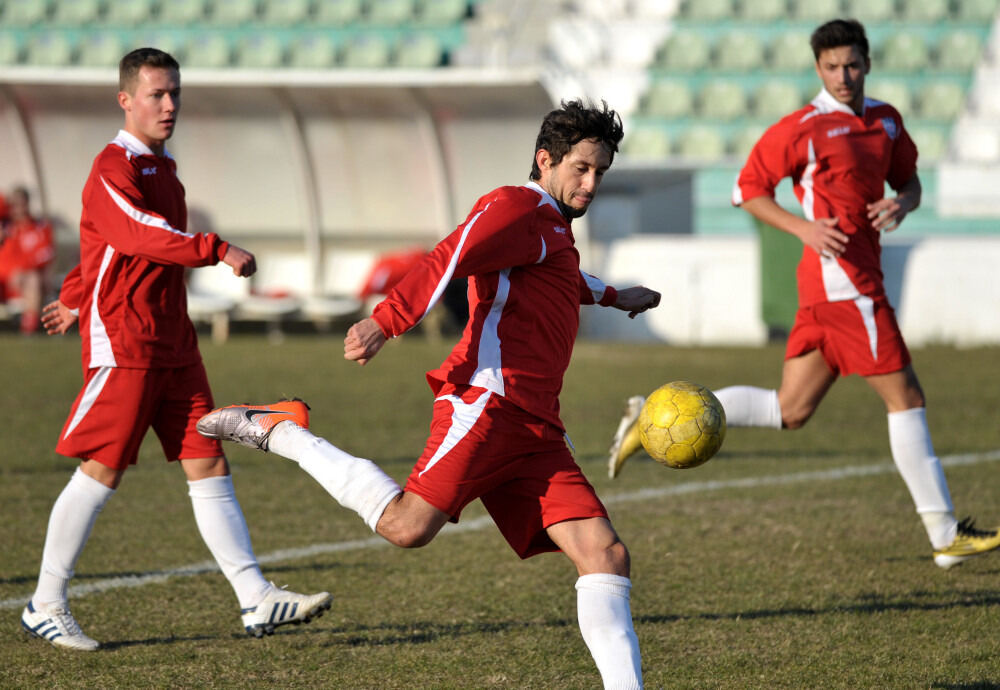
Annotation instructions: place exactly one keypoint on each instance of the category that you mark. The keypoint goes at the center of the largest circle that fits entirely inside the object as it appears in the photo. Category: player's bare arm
(886, 214)
(636, 300)
(820, 235)
(364, 340)
(241, 261)
(57, 318)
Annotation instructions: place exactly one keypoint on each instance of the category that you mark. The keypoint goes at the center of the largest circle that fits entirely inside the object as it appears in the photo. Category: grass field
(791, 560)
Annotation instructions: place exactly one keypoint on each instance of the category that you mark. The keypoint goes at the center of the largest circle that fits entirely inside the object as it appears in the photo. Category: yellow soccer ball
(682, 424)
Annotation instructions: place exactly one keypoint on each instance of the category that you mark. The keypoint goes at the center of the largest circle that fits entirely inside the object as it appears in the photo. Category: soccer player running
(496, 434)
(141, 362)
(840, 150)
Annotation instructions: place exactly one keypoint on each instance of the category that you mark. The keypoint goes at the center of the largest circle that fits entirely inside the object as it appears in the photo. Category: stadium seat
(24, 13)
(776, 98)
(647, 142)
(232, 12)
(10, 48)
(668, 98)
(312, 51)
(789, 51)
(892, 91)
(684, 52)
(976, 11)
(814, 11)
(931, 141)
(904, 52)
(738, 51)
(168, 41)
(940, 100)
(958, 51)
(923, 11)
(259, 50)
(390, 12)
(441, 12)
(722, 99)
(286, 12)
(338, 12)
(701, 143)
(762, 11)
(101, 49)
(744, 138)
(125, 13)
(366, 51)
(870, 12)
(50, 49)
(208, 50)
(182, 12)
(707, 10)
(75, 12)
(421, 50)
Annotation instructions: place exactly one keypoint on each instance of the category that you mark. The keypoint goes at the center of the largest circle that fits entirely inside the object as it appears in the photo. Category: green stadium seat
(233, 12)
(684, 51)
(924, 11)
(871, 12)
(127, 13)
(441, 12)
(762, 11)
(420, 50)
(707, 10)
(776, 98)
(390, 12)
(366, 51)
(815, 11)
(75, 12)
(259, 50)
(312, 51)
(50, 48)
(895, 92)
(286, 12)
(931, 141)
(904, 52)
(789, 51)
(208, 50)
(24, 13)
(958, 51)
(10, 48)
(701, 143)
(338, 12)
(647, 142)
(167, 41)
(976, 11)
(738, 51)
(668, 98)
(101, 49)
(182, 12)
(744, 139)
(722, 99)
(940, 100)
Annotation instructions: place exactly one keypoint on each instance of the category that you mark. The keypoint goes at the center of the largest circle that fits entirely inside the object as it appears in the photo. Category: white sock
(225, 532)
(72, 517)
(750, 406)
(602, 602)
(913, 453)
(356, 483)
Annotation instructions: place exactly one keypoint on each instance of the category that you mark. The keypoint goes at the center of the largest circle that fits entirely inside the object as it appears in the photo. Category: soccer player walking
(141, 363)
(496, 434)
(840, 151)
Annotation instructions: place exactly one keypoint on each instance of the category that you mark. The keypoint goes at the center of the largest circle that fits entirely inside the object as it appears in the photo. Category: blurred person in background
(26, 255)
(840, 151)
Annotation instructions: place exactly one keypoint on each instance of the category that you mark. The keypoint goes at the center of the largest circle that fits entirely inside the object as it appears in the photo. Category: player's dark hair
(572, 123)
(837, 33)
(129, 66)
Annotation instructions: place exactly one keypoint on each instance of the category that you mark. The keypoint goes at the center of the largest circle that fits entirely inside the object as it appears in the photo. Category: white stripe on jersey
(101, 354)
(140, 216)
(463, 418)
(90, 393)
(446, 277)
(595, 284)
(489, 364)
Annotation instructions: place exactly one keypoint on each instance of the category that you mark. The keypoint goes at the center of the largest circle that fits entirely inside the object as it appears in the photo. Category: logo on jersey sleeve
(889, 125)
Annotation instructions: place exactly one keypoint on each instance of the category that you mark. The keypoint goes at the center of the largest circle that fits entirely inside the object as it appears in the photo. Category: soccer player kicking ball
(496, 433)
(840, 150)
(141, 362)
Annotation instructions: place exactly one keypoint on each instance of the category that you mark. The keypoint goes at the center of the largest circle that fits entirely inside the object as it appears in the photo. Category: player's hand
(57, 318)
(886, 214)
(636, 300)
(364, 340)
(241, 261)
(823, 237)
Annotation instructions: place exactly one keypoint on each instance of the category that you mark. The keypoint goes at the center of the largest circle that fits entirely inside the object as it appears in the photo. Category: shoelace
(66, 620)
(967, 528)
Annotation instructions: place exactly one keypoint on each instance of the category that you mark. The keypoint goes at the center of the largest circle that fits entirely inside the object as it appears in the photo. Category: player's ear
(125, 100)
(544, 159)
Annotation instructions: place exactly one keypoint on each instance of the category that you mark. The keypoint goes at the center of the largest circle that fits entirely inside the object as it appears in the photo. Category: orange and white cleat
(251, 425)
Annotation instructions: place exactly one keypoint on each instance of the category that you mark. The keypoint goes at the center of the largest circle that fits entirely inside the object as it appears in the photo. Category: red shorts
(483, 446)
(117, 406)
(858, 336)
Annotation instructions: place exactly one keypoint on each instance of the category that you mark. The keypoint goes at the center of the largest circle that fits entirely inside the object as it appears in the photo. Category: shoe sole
(262, 629)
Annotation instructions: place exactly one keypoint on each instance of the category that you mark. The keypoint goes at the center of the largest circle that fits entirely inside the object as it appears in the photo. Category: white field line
(203, 567)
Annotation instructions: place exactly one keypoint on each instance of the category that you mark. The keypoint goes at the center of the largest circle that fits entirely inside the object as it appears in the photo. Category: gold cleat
(969, 542)
(626, 441)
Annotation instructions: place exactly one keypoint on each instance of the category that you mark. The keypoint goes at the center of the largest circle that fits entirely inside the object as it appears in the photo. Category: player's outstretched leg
(968, 542)
(251, 425)
(626, 441)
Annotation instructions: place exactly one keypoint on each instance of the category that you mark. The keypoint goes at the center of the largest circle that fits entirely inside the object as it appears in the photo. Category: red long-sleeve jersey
(525, 292)
(134, 246)
(839, 162)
